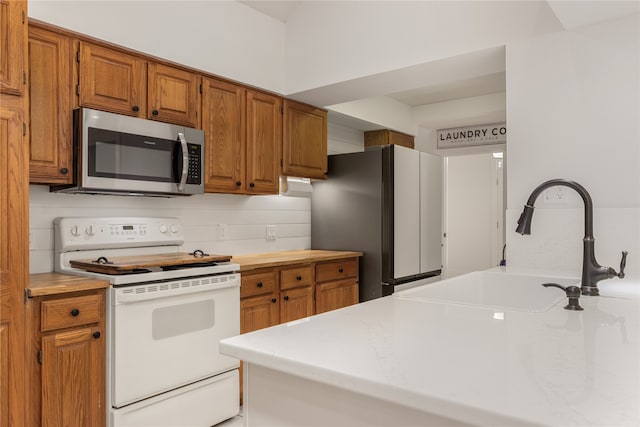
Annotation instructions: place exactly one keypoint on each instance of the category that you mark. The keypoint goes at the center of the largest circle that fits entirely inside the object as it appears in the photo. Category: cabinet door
(73, 372)
(223, 122)
(258, 313)
(112, 81)
(304, 143)
(13, 16)
(296, 303)
(398, 138)
(50, 94)
(14, 264)
(173, 95)
(264, 139)
(334, 295)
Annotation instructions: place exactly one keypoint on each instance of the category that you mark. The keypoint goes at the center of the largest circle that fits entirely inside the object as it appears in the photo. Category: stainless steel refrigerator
(385, 202)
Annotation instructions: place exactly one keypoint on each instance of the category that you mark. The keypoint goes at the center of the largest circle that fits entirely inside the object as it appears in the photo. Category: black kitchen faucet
(592, 272)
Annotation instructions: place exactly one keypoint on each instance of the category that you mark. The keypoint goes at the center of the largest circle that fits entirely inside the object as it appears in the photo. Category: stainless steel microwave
(116, 154)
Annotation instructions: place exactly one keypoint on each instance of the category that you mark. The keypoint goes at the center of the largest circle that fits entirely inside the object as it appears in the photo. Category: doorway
(473, 213)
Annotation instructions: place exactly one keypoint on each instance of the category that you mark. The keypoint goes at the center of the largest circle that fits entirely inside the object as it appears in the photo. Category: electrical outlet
(271, 232)
(556, 196)
(222, 231)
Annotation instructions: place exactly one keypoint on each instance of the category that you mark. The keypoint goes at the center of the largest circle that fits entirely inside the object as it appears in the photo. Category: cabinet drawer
(294, 277)
(335, 270)
(257, 284)
(69, 312)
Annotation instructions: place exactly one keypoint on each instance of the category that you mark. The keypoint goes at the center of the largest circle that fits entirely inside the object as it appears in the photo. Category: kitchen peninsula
(401, 360)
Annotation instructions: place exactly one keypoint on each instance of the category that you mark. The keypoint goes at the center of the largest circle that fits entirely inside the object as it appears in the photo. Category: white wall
(382, 110)
(329, 42)
(344, 139)
(246, 217)
(572, 112)
(226, 38)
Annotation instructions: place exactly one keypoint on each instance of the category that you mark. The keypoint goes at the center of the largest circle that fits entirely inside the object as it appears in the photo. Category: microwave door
(126, 162)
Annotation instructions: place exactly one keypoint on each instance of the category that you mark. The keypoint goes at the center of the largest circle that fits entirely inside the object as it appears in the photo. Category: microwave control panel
(194, 174)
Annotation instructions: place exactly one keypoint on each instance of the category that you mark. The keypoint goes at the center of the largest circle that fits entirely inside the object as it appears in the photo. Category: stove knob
(174, 228)
(163, 228)
(90, 231)
(75, 231)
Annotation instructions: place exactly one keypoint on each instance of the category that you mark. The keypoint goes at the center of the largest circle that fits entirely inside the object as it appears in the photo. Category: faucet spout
(527, 214)
(592, 272)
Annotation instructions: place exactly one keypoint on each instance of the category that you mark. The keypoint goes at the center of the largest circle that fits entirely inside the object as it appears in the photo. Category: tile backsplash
(246, 218)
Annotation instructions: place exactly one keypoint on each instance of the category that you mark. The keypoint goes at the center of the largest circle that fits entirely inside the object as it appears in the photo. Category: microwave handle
(185, 161)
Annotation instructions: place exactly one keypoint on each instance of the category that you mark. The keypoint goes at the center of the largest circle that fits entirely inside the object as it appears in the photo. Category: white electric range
(163, 323)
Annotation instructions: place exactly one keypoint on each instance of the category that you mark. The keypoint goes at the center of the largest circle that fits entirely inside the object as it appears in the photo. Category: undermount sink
(494, 289)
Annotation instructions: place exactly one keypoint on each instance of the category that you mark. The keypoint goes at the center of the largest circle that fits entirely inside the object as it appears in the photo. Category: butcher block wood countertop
(43, 284)
(275, 259)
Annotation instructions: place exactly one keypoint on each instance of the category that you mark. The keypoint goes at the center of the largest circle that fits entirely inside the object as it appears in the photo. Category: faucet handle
(623, 264)
(573, 293)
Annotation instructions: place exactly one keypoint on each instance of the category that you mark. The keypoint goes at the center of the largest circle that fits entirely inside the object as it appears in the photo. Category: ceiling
(280, 10)
(435, 88)
(459, 89)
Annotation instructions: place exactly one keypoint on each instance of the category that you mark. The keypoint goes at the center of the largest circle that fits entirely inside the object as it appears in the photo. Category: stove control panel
(82, 233)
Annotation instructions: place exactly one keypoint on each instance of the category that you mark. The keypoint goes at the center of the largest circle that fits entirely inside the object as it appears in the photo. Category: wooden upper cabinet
(264, 138)
(224, 125)
(13, 16)
(51, 95)
(173, 95)
(386, 137)
(304, 144)
(113, 81)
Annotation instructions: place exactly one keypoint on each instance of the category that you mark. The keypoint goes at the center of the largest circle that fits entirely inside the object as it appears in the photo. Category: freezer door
(430, 212)
(406, 212)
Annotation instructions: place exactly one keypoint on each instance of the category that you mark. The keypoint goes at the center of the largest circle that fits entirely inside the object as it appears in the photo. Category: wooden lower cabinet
(284, 293)
(296, 303)
(73, 378)
(258, 312)
(67, 346)
(334, 295)
(336, 284)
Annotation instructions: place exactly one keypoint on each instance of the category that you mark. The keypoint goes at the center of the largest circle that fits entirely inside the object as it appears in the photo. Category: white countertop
(473, 364)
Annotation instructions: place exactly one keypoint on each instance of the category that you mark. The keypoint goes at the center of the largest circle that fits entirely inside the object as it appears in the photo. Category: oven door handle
(135, 297)
(185, 162)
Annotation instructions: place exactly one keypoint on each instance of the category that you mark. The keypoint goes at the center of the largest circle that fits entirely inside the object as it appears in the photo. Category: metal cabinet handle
(273, 300)
(286, 298)
(252, 185)
(185, 161)
(298, 277)
(259, 284)
(64, 171)
(136, 108)
(340, 270)
(75, 312)
(238, 183)
(96, 335)
(155, 112)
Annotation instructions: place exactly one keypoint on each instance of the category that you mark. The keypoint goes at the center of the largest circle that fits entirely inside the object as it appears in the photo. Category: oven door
(165, 335)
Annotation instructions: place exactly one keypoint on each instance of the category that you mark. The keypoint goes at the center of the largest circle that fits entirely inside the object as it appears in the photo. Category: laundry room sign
(467, 136)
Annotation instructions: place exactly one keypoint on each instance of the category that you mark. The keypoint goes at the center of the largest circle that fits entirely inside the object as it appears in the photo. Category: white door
(473, 214)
